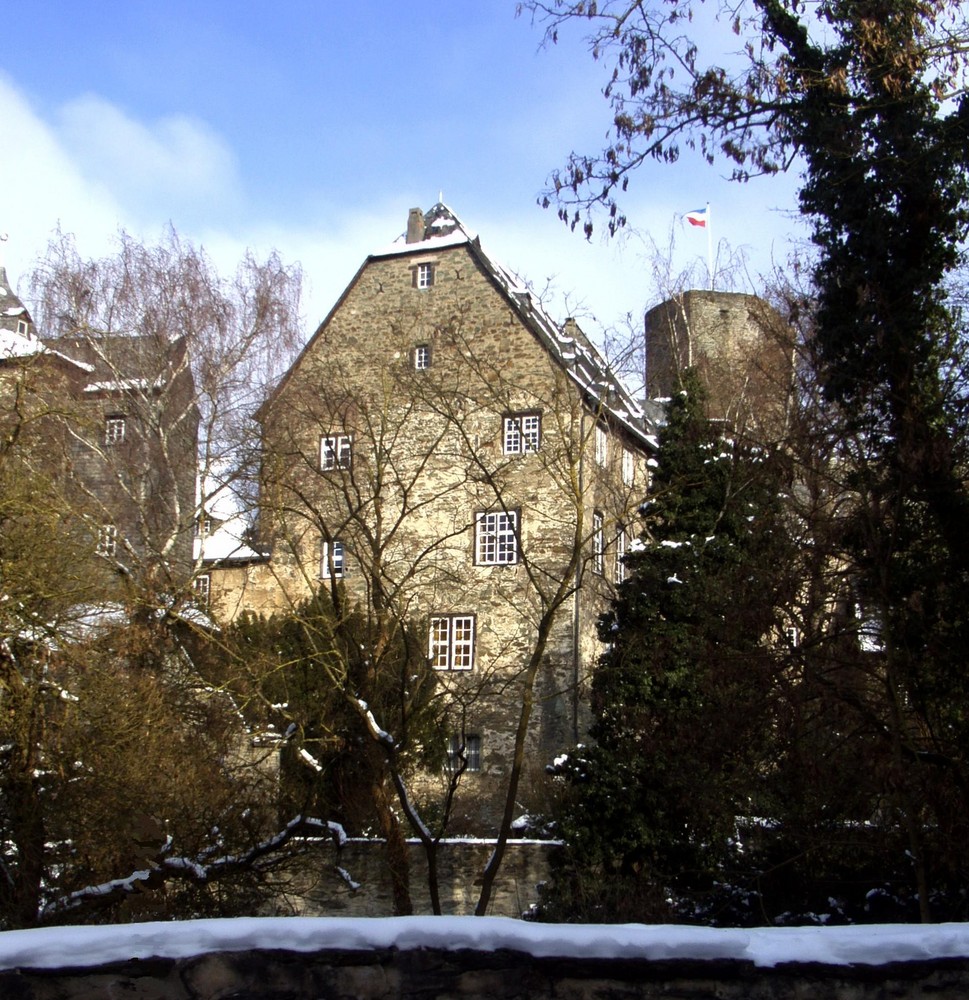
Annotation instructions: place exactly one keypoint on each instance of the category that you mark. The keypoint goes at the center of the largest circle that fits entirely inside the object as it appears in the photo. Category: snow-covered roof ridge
(566, 341)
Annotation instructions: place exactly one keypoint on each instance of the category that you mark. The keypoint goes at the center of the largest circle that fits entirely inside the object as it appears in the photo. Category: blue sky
(311, 126)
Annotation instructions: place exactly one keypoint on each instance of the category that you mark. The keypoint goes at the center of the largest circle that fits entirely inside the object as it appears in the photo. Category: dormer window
(423, 275)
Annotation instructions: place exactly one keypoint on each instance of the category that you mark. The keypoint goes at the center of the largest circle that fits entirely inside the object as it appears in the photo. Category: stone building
(740, 347)
(442, 453)
(112, 420)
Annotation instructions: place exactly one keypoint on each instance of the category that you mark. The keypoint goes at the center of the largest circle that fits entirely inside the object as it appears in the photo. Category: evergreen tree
(682, 697)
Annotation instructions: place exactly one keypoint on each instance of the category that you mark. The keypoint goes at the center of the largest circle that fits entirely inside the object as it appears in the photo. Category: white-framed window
(424, 275)
(107, 540)
(468, 749)
(598, 543)
(601, 444)
(496, 537)
(202, 585)
(22, 327)
(628, 467)
(451, 642)
(522, 433)
(792, 636)
(335, 451)
(115, 428)
(621, 555)
(332, 560)
(422, 357)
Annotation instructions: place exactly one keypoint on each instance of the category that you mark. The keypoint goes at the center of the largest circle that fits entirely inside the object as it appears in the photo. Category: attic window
(22, 327)
(423, 275)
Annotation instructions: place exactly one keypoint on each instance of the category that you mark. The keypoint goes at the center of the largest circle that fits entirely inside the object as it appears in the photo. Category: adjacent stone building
(112, 421)
(740, 347)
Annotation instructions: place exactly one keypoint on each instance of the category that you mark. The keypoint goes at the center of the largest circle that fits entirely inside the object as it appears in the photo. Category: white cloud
(157, 170)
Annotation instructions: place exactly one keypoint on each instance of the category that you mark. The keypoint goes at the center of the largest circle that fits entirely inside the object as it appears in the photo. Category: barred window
(335, 451)
(114, 429)
(332, 560)
(523, 433)
(496, 538)
(107, 540)
(621, 555)
(469, 749)
(598, 544)
(451, 642)
(422, 357)
(628, 467)
(601, 445)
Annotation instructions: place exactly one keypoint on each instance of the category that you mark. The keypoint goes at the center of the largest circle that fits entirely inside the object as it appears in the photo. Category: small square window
(422, 357)
(598, 544)
(522, 433)
(496, 538)
(451, 642)
(332, 561)
(335, 451)
(115, 429)
(424, 275)
(107, 541)
(202, 585)
(467, 750)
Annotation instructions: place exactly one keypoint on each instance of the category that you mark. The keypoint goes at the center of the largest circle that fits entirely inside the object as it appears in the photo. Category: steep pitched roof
(441, 229)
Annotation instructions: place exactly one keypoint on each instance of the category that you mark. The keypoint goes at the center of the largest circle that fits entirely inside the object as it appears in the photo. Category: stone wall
(319, 890)
(499, 975)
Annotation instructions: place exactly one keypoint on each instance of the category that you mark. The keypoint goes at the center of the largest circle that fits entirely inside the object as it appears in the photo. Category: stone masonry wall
(429, 974)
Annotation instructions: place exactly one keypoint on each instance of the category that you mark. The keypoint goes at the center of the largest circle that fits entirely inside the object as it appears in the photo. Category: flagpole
(710, 246)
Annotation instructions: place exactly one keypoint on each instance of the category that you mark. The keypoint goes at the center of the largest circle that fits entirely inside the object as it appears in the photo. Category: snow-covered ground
(60, 947)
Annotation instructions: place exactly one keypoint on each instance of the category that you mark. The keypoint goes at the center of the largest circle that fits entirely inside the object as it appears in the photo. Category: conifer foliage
(682, 695)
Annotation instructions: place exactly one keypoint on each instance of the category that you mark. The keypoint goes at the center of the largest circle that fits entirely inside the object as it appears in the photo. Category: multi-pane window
(107, 540)
(523, 432)
(601, 445)
(424, 276)
(598, 543)
(621, 555)
(335, 451)
(468, 749)
(451, 642)
(628, 467)
(422, 357)
(496, 537)
(202, 586)
(332, 560)
(114, 429)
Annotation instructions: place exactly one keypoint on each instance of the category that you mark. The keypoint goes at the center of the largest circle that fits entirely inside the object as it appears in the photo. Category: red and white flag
(698, 217)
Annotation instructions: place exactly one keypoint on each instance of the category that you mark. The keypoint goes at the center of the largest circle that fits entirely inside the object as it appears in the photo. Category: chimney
(415, 226)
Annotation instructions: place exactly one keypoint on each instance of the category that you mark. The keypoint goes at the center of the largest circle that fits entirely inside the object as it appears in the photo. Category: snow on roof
(19, 345)
(575, 352)
(880, 944)
(227, 543)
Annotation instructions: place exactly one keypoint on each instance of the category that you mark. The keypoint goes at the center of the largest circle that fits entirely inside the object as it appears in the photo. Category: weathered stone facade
(443, 451)
(740, 347)
(112, 421)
